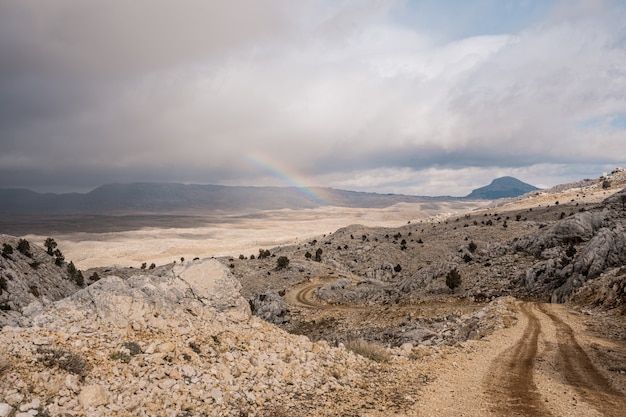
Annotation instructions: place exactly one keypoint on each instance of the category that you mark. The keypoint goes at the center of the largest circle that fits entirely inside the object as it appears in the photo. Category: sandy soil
(230, 235)
(543, 366)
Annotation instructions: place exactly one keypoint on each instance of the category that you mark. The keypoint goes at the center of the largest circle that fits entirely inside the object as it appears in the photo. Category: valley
(360, 320)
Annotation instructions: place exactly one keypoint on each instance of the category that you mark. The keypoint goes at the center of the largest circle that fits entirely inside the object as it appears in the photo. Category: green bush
(282, 262)
(24, 247)
(453, 279)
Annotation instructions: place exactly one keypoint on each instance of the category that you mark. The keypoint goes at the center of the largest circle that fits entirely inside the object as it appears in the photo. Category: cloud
(338, 93)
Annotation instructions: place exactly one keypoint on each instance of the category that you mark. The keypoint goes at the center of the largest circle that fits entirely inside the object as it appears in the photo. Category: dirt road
(536, 368)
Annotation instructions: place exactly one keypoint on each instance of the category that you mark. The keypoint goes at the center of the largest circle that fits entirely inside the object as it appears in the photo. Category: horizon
(408, 97)
(309, 193)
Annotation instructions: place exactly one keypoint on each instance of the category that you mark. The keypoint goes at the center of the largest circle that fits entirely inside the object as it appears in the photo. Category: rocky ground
(358, 322)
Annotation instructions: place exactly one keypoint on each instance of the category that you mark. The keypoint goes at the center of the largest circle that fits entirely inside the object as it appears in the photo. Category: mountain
(503, 187)
(171, 197)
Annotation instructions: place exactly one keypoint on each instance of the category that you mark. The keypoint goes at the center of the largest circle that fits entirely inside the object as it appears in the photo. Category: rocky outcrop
(271, 307)
(577, 249)
(179, 342)
(29, 276)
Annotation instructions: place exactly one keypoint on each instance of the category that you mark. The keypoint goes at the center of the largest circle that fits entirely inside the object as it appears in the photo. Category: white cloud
(336, 91)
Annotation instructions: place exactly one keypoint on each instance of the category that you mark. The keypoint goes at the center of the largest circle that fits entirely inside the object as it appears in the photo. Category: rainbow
(290, 179)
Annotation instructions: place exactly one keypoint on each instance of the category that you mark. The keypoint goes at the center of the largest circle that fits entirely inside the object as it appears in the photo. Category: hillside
(504, 187)
(361, 321)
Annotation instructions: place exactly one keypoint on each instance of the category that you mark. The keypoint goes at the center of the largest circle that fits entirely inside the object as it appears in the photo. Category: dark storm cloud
(341, 93)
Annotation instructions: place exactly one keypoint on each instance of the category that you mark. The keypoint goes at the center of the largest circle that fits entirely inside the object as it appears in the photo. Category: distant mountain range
(171, 197)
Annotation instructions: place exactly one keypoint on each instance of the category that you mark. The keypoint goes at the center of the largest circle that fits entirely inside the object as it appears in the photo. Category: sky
(424, 97)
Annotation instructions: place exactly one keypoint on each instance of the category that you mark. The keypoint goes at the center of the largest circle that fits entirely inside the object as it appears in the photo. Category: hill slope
(503, 187)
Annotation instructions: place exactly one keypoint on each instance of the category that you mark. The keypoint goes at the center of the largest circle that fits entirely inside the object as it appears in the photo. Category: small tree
(80, 280)
(453, 279)
(51, 245)
(7, 250)
(282, 262)
(59, 258)
(24, 247)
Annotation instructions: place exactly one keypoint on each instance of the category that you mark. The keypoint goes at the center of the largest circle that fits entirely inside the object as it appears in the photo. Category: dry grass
(63, 359)
(369, 350)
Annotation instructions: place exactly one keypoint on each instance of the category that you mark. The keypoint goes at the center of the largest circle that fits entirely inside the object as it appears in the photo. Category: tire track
(579, 372)
(510, 384)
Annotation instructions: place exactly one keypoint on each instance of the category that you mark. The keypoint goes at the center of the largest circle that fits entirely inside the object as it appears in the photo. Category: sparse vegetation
(195, 347)
(63, 359)
(7, 251)
(3, 285)
(120, 356)
(51, 245)
(133, 348)
(282, 262)
(453, 279)
(23, 247)
(368, 350)
(59, 258)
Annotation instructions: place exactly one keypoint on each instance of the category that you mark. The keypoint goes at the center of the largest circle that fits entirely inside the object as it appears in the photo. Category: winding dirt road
(536, 368)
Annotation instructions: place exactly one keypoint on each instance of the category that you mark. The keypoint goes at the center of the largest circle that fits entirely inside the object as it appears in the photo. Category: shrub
(51, 245)
(195, 347)
(472, 247)
(63, 359)
(7, 250)
(369, 350)
(264, 253)
(59, 258)
(24, 247)
(397, 268)
(242, 257)
(318, 254)
(120, 356)
(94, 277)
(3, 285)
(80, 280)
(34, 290)
(34, 264)
(282, 262)
(453, 279)
(133, 348)
(144, 265)
(467, 258)
(308, 255)
(152, 266)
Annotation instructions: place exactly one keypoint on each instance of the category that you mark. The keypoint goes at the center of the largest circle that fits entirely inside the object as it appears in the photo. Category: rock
(14, 399)
(93, 396)
(33, 405)
(213, 284)
(271, 307)
(5, 410)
